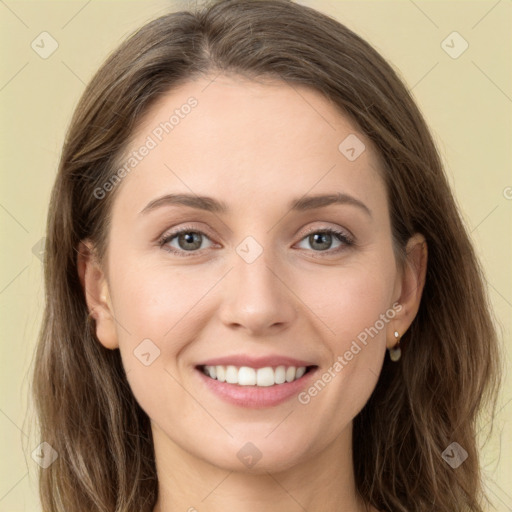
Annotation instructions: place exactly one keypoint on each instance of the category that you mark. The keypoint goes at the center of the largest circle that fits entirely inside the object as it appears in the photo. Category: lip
(255, 362)
(255, 397)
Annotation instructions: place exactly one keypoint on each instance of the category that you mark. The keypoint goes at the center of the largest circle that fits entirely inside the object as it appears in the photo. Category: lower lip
(256, 397)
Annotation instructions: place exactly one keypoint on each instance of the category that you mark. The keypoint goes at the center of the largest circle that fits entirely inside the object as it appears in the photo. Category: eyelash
(166, 238)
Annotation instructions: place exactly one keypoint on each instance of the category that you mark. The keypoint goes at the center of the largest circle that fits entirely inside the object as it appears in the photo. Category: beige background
(467, 102)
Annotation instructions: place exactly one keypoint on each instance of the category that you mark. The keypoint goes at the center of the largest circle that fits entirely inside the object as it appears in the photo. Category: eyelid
(173, 233)
(347, 233)
(178, 228)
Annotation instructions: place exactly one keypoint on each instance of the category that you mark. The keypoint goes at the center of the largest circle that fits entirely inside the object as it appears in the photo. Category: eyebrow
(213, 205)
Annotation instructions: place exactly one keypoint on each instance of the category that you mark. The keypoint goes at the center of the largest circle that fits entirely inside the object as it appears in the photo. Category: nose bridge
(256, 297)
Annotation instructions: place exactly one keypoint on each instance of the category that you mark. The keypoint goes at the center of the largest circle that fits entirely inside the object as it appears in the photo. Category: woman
(200, 350)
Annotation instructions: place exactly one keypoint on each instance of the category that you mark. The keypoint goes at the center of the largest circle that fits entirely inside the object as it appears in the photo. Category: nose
(257, 298)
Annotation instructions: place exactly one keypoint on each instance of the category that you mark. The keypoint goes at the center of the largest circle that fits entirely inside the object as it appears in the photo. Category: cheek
(155, 312)
(355, 309)
(349, 300)
(156, 301)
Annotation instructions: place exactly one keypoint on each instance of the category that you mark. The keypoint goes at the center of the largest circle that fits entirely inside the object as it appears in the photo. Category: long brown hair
(423, 403)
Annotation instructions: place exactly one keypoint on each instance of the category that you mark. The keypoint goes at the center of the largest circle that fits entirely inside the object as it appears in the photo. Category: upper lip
(255, 362)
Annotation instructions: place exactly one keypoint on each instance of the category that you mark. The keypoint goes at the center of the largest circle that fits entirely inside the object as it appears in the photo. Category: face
(257, 276)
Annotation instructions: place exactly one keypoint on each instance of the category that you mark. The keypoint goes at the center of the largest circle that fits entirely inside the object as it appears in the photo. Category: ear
(410, 284)
(95, 286)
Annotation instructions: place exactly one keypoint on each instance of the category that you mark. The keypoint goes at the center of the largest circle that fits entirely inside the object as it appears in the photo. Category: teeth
(290, 374)
(231, 375)
(280, 375)
(265, 376)
(246, 376)
(220, 371)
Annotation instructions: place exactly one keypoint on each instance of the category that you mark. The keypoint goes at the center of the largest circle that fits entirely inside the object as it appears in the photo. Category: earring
(395, 353)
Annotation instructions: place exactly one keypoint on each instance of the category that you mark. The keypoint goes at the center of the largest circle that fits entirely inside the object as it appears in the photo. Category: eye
(187, 239)
(322, 239)
(190, 240)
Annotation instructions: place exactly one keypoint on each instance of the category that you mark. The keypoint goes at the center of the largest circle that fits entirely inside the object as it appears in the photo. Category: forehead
(245, 140)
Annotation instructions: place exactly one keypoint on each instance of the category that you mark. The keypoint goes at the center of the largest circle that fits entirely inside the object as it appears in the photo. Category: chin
(259, 455)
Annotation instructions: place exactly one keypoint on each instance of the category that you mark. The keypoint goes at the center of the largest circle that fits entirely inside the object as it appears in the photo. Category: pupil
(189, 239)
(318, 238)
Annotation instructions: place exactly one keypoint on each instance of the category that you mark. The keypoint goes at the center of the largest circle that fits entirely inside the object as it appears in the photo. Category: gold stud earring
(395, 353)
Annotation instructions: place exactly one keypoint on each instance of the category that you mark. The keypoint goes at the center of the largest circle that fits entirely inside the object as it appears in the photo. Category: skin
(255, 146)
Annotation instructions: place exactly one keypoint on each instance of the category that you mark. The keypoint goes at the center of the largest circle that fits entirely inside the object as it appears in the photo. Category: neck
(321, 483)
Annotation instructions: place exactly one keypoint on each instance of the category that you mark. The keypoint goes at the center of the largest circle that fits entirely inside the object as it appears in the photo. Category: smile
(260, 377)
(255, 381)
